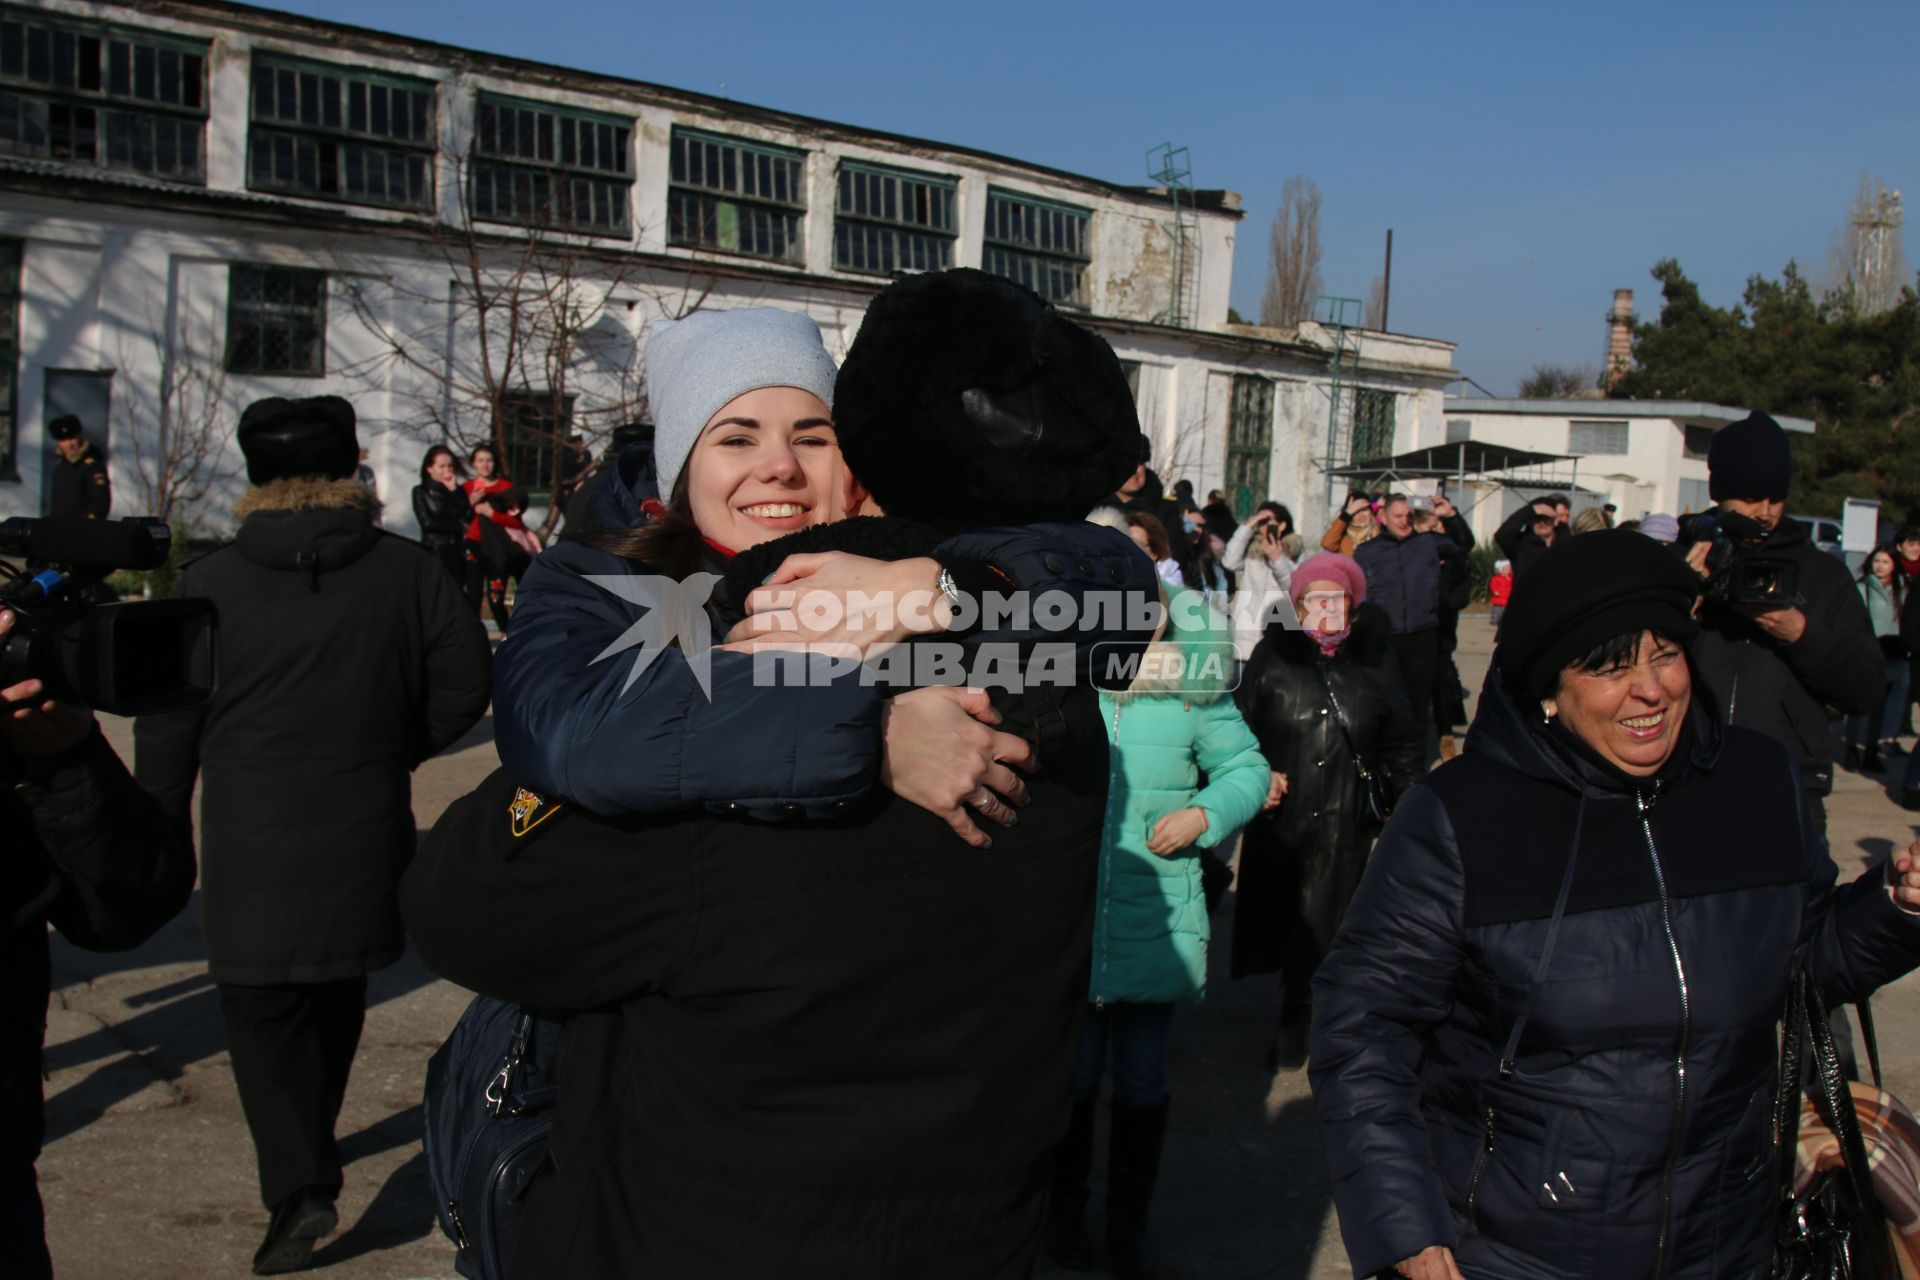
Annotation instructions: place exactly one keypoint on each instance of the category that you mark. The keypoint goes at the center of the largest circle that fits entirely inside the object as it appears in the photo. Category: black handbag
(1835, 1229)
(1373, 787)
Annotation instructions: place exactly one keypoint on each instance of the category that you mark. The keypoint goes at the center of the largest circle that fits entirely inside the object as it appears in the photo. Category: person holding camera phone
(1256, 552)
(92, 855)
(1779, 668)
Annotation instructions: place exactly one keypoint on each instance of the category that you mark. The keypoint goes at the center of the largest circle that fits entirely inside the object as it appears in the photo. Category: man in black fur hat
(347, 657)
(79, 485)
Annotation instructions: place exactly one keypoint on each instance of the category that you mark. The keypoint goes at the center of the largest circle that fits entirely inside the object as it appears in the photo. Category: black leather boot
(1870, 761)
(1851, 761)
(1067, 1242)
(296, 1223)
(1133, 1165)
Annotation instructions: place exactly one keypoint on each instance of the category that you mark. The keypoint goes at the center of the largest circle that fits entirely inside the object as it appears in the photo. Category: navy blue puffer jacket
(1633, 1138)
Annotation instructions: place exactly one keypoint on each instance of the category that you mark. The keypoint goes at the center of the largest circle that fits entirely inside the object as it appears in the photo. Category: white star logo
(675, 612)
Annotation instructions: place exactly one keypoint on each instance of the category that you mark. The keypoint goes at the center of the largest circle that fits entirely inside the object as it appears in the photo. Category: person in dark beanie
(79, 485)
(1544, 1040)
(348, 656)
(1780, 668)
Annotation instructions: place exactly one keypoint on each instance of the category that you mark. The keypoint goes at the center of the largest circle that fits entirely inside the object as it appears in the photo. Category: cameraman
(92, 855)
(1779, 668)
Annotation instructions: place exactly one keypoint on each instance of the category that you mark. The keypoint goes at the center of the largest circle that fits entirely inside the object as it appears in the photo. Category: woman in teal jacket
(1175, 721)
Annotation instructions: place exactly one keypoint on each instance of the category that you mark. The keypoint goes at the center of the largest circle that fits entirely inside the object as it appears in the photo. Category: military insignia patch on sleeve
(529, 810)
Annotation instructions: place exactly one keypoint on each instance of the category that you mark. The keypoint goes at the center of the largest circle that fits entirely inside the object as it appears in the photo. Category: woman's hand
(1276, 790)
(1176, 831)
(1435, 1262)
(939, 753)
(1903, 878)
(810, 600)
(33, 724)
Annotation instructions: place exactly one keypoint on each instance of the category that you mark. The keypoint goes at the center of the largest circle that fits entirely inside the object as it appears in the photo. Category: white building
(206, 203)
(1641, 455)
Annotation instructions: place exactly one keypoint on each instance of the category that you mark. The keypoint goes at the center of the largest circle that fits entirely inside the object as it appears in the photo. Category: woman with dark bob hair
(1544, 1040)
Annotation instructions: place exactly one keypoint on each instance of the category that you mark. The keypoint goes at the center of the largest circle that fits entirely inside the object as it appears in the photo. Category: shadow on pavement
(401, 1212)
(397, 1130)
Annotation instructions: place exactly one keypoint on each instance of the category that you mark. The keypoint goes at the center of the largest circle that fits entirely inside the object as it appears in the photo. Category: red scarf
(654, 509)
(1908, 567)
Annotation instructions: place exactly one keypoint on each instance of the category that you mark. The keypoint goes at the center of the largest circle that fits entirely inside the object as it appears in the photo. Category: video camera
(128, 659)
(1734, 574)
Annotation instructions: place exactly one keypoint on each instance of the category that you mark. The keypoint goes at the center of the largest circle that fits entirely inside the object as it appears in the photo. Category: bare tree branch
(1293, 255)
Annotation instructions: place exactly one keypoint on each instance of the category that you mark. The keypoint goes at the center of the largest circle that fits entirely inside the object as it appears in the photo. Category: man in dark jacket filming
(348, 656)
(1781, 668)
(90, 854)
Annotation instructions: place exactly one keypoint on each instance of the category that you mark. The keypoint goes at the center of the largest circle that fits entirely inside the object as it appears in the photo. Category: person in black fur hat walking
(348, 656)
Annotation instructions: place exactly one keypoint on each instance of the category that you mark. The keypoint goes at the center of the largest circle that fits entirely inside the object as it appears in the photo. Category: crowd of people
(846, 954)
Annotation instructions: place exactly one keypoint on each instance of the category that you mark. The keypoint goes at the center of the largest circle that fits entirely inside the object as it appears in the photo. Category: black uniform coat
(1785, 691)
(90, 852)
(1639, 1109)
(80, 488)
(347, 656)
(838, 1050)
(1300, 863)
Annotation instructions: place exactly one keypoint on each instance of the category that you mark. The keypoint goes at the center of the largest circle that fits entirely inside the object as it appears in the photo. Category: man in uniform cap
(348, 656)
(79, 486)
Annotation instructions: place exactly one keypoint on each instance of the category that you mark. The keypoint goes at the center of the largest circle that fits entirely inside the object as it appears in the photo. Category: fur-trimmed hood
(308, 524)
(308, 493)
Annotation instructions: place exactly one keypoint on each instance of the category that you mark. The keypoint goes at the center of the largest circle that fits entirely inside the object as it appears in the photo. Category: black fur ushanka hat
(967, 400)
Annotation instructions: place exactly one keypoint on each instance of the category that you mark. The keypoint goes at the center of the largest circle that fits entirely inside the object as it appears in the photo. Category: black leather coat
(1300, 863)
(1634, 1136)
(442, 514)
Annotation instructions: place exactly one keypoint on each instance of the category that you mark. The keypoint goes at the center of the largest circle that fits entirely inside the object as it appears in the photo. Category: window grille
(1249, 443)
(531, 427)
(1597, 437)
(733, 196)
(1042, 245)
(1373, 424)
(338, 133)
(539, 165)
(276, 321)
(892, 220)
(116, 97)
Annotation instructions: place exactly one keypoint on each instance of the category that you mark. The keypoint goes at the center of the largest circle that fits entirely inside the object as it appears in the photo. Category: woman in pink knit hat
(1327, 704)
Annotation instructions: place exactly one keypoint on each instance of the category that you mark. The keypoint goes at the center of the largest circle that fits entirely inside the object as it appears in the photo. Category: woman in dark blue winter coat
(1544, 1040)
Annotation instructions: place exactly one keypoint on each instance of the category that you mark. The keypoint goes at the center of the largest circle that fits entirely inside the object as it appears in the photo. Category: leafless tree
(530, 317)
(1869, 263)
(1293, 255)
(177, 429)
(1376, 313)
(1560, 382)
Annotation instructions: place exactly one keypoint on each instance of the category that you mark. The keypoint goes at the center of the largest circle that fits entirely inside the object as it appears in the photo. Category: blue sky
(1530, 158)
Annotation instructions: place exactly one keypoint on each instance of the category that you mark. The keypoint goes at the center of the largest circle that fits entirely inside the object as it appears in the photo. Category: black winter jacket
(1635, 1131)
(839, 1049)
(80, 488)
(1517, 541)
(1300, 863)
(1403, 574)
(91, 853)
(1784, 691)
(347, 656)
(442, 514)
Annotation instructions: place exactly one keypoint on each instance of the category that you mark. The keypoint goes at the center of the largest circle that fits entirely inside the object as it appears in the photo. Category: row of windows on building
(138, 101)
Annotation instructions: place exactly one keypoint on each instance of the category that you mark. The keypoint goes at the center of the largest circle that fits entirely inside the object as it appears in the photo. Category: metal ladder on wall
(1170, 167)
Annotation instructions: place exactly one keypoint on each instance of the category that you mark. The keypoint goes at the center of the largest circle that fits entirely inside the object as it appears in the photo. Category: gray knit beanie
(696, 365)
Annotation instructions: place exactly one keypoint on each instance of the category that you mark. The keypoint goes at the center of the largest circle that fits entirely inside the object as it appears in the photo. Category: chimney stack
(1619, 337)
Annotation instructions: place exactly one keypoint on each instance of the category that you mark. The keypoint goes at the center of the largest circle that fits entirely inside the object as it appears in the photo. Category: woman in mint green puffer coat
(1174, 722)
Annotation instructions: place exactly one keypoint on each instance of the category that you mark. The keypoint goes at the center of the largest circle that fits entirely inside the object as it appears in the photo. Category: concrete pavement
(148, 1172)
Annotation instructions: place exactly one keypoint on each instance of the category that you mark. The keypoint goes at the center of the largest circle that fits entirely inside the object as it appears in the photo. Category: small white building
(1643, 456)
(203, 203)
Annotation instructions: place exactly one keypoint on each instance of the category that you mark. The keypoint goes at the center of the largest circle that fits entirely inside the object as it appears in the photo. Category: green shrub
(1480, 570)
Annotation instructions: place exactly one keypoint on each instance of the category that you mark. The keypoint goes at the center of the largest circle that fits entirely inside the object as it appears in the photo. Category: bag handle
(1340, 722)
(1865, 1009)
(1546, 952)
(1831, 1080)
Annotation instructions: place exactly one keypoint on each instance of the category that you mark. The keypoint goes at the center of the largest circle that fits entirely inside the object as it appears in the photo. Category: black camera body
(128, 658)
(1735, 575)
